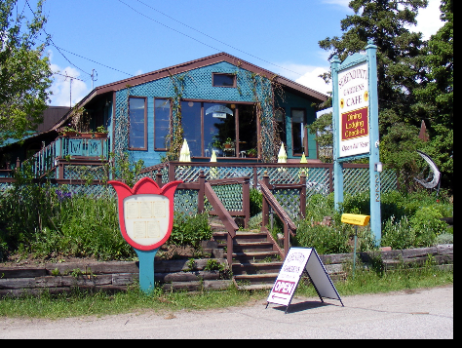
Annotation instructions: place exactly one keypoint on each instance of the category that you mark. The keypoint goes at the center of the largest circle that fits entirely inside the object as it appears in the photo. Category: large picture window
(228, 129)
(161, 123)
(138, 131)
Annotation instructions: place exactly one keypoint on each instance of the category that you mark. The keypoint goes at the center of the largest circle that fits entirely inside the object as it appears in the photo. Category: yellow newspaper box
(356, 219)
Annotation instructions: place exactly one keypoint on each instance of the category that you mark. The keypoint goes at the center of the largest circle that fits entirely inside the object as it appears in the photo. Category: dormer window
(223, 80)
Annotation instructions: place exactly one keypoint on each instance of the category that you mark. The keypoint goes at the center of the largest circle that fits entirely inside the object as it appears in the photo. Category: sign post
(297, 262)
(355, 124)
(146, 220)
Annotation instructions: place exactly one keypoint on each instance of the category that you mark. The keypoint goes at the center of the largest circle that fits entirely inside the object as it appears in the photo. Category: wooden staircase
(255, 264)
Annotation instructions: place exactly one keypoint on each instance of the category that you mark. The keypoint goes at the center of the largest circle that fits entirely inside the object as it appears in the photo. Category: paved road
(420, 314)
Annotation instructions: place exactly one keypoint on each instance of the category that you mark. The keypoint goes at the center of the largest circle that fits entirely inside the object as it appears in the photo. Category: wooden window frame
(237, 103)
(227, 74)
(169, 124)
(145, 148)
(305, 132)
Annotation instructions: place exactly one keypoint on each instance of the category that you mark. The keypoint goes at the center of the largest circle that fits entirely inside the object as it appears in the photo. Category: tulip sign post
(146, 220)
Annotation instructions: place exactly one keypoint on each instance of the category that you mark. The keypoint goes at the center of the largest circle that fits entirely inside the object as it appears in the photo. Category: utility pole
(94, 77)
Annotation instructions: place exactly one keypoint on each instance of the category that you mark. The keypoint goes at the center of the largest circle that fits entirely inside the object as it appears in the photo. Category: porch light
(303, 159)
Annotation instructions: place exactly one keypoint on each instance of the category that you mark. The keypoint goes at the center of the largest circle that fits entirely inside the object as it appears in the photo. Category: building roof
(187, 66)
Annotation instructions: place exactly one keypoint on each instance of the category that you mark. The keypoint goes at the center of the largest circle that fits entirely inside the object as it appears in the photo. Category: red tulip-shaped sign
(146, 220)
(145, 212)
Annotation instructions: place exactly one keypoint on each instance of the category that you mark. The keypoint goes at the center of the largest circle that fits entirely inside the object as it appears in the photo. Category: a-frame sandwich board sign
(297, 262)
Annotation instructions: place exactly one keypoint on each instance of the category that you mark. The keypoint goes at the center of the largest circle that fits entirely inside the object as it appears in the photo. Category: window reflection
(219, 125)
(162, 123)
(137, 123)
(191, 121)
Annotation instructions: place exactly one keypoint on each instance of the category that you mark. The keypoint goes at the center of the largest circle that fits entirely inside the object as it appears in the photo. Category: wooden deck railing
(270, 201)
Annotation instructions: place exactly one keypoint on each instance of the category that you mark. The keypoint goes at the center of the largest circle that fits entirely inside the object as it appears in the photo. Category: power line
(210, 37)
(52, 42)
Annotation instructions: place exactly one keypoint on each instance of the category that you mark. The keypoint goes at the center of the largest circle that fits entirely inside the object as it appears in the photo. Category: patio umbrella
(185, 155)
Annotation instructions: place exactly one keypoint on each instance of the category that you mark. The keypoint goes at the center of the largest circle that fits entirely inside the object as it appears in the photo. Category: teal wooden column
(338, 166)
(374, 158)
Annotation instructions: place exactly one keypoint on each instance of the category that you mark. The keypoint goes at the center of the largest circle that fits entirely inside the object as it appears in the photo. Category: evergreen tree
(435, 95)
(399, 60)
(24, 73)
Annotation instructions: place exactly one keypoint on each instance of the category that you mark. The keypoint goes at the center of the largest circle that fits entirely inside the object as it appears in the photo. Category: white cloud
(63, 91)
(312, 80)
(343, 3)
(138, 72)
(428, 20)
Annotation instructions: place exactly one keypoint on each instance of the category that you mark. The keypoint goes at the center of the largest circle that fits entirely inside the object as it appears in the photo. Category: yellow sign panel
(356, 219)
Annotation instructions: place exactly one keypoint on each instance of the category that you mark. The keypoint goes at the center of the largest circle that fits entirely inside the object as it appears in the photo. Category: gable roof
(191, 65)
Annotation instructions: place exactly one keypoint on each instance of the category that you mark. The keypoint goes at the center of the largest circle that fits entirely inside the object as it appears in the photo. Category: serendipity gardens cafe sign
(356, 124)
(146, 220)
(354, 137)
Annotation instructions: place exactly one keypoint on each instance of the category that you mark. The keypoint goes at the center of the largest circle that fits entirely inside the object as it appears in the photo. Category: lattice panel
(5, 187)
(388, 181)
(82, 172)
(186, 201)
(95, 190)
(355, 180)
(317, 181)
(280, 175)
(230, 196)
(289, 199)
(191, 173)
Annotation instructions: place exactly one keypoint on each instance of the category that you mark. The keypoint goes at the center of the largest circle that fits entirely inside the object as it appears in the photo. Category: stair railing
(226, 219)
(270, 201)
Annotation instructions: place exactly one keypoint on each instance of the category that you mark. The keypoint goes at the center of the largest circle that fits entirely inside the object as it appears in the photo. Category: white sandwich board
(298, 261)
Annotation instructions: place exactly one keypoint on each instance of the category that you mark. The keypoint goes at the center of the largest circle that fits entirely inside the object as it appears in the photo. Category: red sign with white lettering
(354, 124)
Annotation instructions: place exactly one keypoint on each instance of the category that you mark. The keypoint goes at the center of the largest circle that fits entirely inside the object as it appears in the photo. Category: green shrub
(256, 201)
(398, 235)
(427, 225)
(190, 230)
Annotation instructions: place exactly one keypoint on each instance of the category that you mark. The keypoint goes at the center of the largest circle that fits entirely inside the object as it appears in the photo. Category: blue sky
(121, 38)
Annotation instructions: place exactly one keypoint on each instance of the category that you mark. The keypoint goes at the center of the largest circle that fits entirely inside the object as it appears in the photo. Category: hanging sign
(297, 262)
(146, 220)
(353, 106)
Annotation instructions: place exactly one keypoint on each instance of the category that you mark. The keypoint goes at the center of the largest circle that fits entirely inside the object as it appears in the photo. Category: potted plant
(252, 153)
(69, 132)
(101, 132)
(228, 144)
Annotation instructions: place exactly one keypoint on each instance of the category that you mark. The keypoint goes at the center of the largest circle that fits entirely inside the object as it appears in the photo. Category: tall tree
(24, 72)
(399, 60)
(436, 94)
